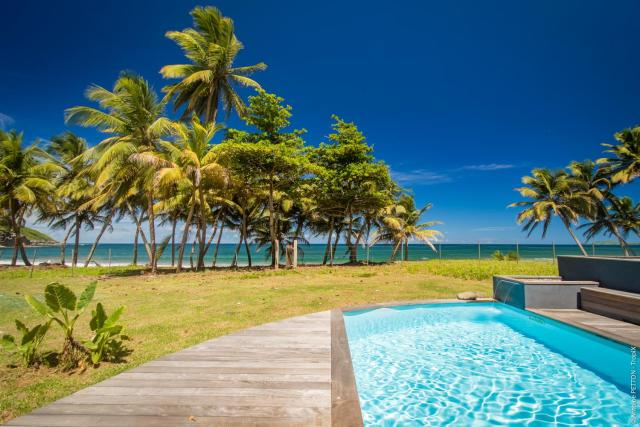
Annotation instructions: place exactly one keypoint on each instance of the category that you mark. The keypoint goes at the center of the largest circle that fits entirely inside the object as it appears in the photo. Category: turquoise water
(312, 254)
(486, 364)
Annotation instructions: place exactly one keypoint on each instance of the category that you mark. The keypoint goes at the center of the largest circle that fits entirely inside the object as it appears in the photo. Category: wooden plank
(345, 403)
(616, 330)
(158, 421)
(305, 402)
(211, 410)
(234, 369)
(201, 383)
(222, 377)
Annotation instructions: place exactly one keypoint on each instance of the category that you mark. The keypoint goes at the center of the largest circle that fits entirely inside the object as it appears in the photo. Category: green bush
(62, 307)
(28, 345)
(106, 343)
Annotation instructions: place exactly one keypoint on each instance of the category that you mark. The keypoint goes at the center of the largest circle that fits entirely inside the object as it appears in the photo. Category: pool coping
(345, 401)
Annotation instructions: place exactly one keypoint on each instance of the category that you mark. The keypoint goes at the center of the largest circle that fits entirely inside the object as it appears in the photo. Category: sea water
(122, 253)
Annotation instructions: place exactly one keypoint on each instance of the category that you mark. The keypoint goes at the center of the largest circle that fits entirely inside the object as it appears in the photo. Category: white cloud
(493, 229)
(418, 177)
(487, 167)
(5, 121)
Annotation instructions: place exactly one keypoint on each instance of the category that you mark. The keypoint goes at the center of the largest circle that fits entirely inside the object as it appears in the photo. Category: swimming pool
(458, 364)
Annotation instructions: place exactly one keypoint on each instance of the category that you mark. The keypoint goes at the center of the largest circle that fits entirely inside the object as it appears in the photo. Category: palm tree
(552, 193)
(618, 219)
(74, 189)
(594, 182)
(400, 223)
(624, 163)
(191, 166)
(210, 77)
(26, 175)
(125, 162)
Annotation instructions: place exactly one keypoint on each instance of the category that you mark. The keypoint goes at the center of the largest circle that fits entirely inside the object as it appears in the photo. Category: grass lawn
(168, 312)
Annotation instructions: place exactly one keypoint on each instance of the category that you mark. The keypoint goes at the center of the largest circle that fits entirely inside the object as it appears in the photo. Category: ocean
(122, 253)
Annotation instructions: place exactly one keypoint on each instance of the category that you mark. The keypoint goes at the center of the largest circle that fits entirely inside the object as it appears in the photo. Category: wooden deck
(277, 374)
(617, 330)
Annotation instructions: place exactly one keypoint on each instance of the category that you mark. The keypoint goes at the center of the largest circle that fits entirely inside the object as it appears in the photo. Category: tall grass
(482, 269)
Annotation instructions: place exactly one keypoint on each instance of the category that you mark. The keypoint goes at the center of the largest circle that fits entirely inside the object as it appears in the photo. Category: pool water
(475, 364)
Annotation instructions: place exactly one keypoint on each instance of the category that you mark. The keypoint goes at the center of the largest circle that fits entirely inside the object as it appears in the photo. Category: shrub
(498, 256)
(28, 345)
(106, 343)
(64, 308)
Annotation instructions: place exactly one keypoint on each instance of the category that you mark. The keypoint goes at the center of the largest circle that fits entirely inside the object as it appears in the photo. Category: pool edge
(345, 401)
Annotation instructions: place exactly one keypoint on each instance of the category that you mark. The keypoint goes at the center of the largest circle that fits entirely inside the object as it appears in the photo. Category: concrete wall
(622, 274)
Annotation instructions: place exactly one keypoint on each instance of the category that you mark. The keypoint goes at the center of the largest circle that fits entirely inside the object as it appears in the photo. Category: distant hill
(34, 237)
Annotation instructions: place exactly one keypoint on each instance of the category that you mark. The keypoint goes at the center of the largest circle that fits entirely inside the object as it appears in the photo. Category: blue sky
(460, 98)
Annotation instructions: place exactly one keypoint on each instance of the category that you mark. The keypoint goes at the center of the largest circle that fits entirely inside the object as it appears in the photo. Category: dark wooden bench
(611, 303)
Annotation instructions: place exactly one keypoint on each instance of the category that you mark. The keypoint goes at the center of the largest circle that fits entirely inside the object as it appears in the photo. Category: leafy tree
(351, 180)
(552, 193)
(273, 160)
(26, 185)
(125, 164)
(210, 77)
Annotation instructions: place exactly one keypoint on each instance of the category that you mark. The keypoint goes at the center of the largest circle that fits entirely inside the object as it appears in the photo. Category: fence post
(593, 249)
(440, 250)
(295, 253)
(73, 251)
(553, 249)
(517, 252)
(478, 249)
(109, 259)
(33, 263)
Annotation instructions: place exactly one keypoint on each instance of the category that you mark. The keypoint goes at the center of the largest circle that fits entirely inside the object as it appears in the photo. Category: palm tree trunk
(185, 232)
(16, 225)
(395, 251)
(335, 243)
(105, 225)
(152, 232)
(203, 233)
(140, 230)
(328, 248)
(575, 238)
(623, 243)
(272, 228)
(213, 233)
(248, 249)
(63, 244)
(353, 256)
(76, 243)
(135, 247)
(174, 221)
(406, 250)
(215, 253)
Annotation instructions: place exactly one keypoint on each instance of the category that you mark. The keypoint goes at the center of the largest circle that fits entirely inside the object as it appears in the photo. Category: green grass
(168, 312)
(484, 269)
